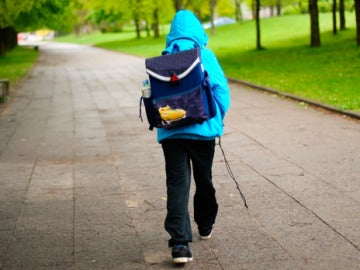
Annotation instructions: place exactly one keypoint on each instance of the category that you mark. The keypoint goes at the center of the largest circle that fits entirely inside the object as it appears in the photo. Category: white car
(219, 21)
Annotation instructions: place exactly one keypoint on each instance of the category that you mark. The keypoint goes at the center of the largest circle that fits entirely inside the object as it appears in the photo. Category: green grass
(96, 37)
(15, 64)
(328, 74)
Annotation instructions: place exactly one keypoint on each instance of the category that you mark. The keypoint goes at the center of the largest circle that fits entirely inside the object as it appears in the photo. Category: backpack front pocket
(181, 109)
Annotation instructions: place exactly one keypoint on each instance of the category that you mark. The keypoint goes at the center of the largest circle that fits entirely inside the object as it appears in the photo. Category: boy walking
(189, 150)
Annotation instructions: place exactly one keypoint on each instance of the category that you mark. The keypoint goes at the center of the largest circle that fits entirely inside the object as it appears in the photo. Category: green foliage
(10, 10)
(35, 14)
(293, 9)
(226, 8)
(107, 22)
(324, 6)
(114, 15)
(52, 14)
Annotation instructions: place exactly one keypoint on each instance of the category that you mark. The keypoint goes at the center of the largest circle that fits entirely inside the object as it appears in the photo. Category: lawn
(328, 74)
(14, 65)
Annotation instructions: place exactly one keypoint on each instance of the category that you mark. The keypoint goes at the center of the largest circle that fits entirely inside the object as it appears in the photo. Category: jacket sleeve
(218, 81)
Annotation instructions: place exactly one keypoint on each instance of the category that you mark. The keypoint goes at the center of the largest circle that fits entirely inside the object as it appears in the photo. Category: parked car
(219, 21)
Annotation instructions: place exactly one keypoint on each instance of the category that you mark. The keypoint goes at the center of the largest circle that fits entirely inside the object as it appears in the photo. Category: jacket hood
(186, 26)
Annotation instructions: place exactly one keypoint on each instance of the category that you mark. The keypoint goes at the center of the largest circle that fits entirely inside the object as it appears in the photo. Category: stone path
(82, 179)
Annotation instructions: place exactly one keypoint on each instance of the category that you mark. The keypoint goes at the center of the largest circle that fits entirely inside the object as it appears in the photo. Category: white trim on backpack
(180, 76)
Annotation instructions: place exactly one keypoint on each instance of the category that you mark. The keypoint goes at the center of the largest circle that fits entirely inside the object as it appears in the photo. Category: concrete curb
(296, 98)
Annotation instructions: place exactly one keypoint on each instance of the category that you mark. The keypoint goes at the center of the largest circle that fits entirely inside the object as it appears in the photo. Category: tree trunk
(212, 15)
(8, 39)
(2, 41)
(156, 23)
(334, 17)
(314, 24)
(272, 11)
(257, 22)
(300, 5)
(147, 28)
(197, 12)
(177, 4)
(238, 11)
(278, 7)
(13, 38)
(342, 14)
(357, 14)
(137, 27)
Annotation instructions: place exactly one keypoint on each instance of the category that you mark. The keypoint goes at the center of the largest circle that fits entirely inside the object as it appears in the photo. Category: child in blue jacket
(191, 148)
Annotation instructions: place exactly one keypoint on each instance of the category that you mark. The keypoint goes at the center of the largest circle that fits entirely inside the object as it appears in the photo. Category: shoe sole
(182, 260)
(206, 237)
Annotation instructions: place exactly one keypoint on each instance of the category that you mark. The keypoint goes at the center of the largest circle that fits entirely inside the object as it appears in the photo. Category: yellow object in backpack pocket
(169, 114)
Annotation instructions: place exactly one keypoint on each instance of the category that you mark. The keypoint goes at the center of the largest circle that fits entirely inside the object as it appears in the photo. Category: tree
(177, 4)
(357, 15)
(52, 14)
(145, 14)
(314, 24)
(225, 8)
(110, 15)
(156, 23)
(82, 16)
(257, 23)
(8, 39)
(342, 14)
(238, 11)
(27, 15)
(212, 15)
(334, 8)
(136, 13)
(160, 12)
(9, 11)
(200, 8)
(278, 7)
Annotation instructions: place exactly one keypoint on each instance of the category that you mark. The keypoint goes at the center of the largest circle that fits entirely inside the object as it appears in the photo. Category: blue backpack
(180, 92)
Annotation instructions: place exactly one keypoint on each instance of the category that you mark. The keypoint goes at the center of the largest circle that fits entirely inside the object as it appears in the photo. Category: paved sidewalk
(82, 179)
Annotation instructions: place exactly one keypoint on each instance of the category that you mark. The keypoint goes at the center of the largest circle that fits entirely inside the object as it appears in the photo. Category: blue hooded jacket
(187, 33)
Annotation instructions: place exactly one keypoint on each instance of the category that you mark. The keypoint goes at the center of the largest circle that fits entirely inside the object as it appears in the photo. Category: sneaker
(181, 254)
(205, 232)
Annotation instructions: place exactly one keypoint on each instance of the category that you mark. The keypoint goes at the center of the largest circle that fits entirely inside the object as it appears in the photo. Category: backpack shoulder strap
(196, 44)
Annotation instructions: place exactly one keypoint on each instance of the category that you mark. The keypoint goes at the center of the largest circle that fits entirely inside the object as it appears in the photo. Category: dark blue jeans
(179, 155)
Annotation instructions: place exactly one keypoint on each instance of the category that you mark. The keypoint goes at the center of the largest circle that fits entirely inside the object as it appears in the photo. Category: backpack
(180, 92)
